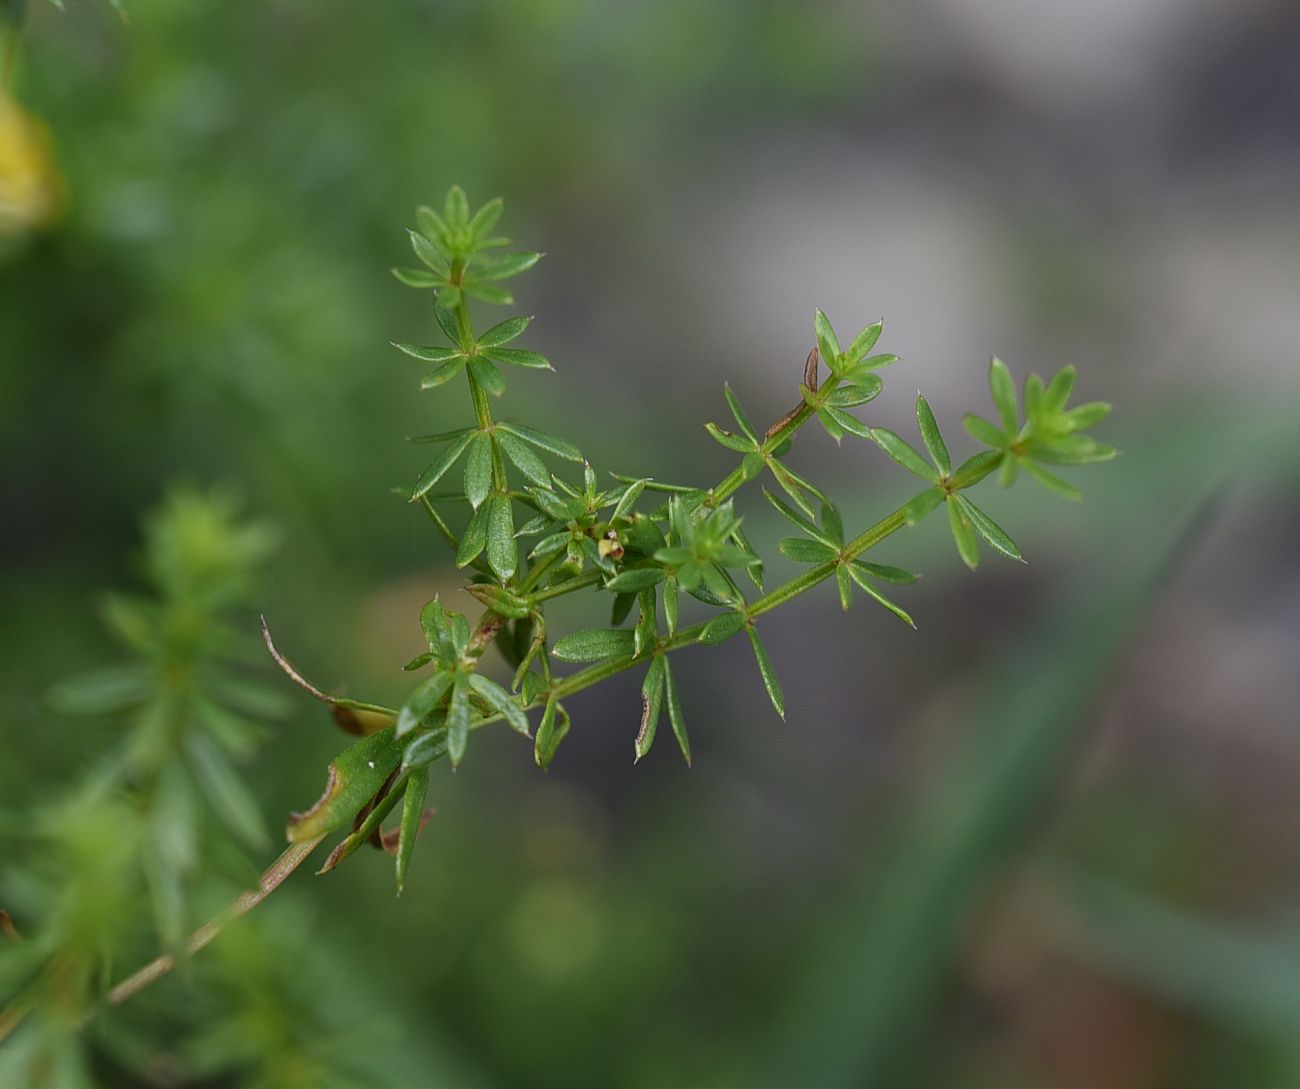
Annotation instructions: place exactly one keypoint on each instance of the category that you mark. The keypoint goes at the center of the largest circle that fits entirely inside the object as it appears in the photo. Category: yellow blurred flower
(31, 190)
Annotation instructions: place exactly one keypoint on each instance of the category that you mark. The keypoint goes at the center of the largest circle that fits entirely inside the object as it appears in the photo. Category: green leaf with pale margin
(419, 703)
(542, 440)
(770, 681)
(501, 702)
(594, 645)
(721, 628)
(354, 777)
(963, 533)
(827, 343)
(523, 458)
(502, 553)
(675, 717)
(1003, 388)
(417, 789)
(934, 443)
(478, 469)
(898, 449)
(439, 466)
(551, 731)
(989, 529)
(503, 332)
(652, 695)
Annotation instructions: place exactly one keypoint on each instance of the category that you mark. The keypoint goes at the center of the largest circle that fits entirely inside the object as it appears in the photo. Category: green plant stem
(733, 481)
(578, 582)
(482, 410)
(585, 678)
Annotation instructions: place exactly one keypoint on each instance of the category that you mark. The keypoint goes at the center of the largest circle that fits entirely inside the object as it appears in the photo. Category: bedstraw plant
(529, 519)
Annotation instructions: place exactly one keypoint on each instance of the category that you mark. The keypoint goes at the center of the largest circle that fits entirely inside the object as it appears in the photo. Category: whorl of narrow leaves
(675, 560)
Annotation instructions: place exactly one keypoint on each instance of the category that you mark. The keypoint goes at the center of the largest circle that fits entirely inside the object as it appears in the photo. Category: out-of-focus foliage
(104, 870)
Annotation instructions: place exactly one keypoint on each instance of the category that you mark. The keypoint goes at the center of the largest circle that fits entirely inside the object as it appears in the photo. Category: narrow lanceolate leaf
(827, 343)
(433, 353)
(963, 533)
(503, 333)
(419, 703)
(502, 553)
(628, 499)
(505, 266)
(523, 458)
(1052, 482)
(593, 645)
(500, 701)
(442, 374)
(439, 466)
(921, 505)
(770, 681)
(415, 277)
(354, 777)
(898, 449)
(621, 608)
(742, 421)
(485, 373)
(896, 575)
(458, 721)
(983, 431)
(846, 421)
(446, 319)
(1003, 388)
(455, 208)
(727, 439)
(550, 732)
(858, 575)
(425, 749)
(417, 789)
(846, 589)
(832, 428)
(802, 550)
(1059, 389)
(475, 538)
(866, 340)
(671, 605)
(485, 219)
(636, 578)
(976, 468)
(930, 436)
(478, 469)
(798, 520)
(542, 440)
(230, 797)
(652, 696)
(989, 529)
(500, 600)
(858, 393)
(675, 716)
(520, 357)
(489, 293)
(427, 252)
(721, 628)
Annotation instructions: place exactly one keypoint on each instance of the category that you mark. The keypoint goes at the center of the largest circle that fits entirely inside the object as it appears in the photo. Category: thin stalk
(732, 482)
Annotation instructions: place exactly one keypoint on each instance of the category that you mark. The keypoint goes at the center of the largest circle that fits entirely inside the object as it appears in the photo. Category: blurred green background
(1051, 839)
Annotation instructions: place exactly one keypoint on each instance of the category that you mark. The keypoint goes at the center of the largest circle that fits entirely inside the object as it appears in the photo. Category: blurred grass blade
(869, 991)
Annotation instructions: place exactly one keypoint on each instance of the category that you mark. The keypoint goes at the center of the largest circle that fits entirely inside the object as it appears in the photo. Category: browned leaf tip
(289, 670)
(809, 380)
(7, 927)
(810, 370)
(332, 787)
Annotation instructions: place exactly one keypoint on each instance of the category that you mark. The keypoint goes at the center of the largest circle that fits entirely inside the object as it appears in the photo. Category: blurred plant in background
(160, 820)
(1114, 184)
